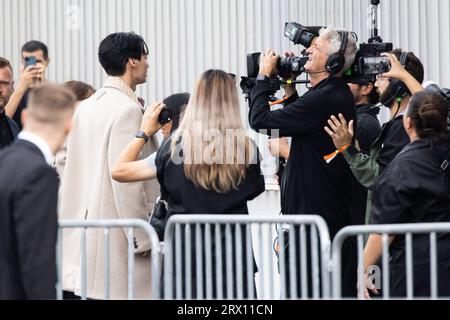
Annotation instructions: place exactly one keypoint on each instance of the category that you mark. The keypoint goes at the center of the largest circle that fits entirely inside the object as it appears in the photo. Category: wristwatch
(352, 151)
(142, 135)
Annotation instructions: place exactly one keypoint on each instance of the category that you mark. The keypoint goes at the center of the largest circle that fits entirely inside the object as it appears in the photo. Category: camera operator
(395, 89)
(310, 185)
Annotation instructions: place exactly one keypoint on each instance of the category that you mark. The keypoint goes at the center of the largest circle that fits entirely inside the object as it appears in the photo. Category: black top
(368, 126)
(28, 224)
(310, 185)
(8, 130)
(22, 105)
(394, 138)
(185, 198)
(414, 189)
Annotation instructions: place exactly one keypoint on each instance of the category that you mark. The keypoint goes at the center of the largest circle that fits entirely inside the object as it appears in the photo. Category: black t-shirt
(310, 185)
(414, 189)
(22, 105)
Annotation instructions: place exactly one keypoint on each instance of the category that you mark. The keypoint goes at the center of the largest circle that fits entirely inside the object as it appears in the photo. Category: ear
(68, 126)
(367, 89)
(407, 123)
(132, 62)
(48, 61)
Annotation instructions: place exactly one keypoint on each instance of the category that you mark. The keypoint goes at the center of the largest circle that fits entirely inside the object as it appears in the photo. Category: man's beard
(387, 97)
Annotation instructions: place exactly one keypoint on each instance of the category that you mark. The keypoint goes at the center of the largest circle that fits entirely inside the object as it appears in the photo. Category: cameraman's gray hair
(334, 37)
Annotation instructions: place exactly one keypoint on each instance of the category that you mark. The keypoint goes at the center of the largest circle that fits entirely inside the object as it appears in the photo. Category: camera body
(369, 62)
(165, 116)
(299, 34)
(286, 66)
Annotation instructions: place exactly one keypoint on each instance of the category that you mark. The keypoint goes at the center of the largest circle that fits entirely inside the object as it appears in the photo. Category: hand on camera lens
(289, 55)
(268, 65)
(150, 124)
(341, 134)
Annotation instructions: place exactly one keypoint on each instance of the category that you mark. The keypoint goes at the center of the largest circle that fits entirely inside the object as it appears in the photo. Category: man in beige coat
(103, 126)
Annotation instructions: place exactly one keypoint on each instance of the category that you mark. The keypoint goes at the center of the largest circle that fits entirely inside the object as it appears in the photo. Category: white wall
(188, 36)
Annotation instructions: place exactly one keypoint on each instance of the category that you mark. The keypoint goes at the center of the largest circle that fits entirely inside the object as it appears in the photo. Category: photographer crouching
(316, 182)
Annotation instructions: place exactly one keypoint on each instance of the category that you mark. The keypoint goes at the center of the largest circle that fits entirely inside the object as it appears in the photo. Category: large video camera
(286, 66)
(368, 62)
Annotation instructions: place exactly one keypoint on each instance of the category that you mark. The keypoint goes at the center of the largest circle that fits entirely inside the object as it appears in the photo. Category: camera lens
(165, 116)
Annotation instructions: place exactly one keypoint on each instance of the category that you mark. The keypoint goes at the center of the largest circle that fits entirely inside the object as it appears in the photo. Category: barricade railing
(130, 225)
(406, 230)
(212, 257)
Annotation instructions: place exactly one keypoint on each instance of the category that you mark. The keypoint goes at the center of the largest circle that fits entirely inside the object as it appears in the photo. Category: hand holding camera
(150, 121)
(32, 74)
(269, 61)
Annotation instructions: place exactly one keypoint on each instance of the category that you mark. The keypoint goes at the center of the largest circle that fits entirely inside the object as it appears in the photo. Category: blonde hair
(213, 112)
(51, 104)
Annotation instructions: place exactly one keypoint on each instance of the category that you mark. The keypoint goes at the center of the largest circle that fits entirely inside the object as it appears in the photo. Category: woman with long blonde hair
(210, 166)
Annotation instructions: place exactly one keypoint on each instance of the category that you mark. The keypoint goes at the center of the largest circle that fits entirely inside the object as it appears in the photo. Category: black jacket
(414, 189)
(13, 128)
(28, 224)
(310, 185)
(368, 126)
(368, 130)
(393, 138)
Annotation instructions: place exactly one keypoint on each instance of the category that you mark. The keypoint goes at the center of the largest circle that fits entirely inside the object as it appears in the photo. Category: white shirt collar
(40, 143)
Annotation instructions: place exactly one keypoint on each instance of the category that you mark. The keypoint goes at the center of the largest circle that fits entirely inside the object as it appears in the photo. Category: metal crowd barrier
(388, 230)
(130, 225)
(218, 264)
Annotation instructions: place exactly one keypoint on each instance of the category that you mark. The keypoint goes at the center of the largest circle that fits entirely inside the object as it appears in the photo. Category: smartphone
(30, 61)
(375, 65)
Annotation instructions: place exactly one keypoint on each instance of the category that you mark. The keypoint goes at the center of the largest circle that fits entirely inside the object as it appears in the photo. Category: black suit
(8, 130)
(28, 223)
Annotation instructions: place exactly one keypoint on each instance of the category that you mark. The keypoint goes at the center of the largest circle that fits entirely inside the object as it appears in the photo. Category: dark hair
(117, 48)
(4, 63)
(81, 90)
(32, 46)
(177, 104)
(374, 96)
(428, 112)
(413, 64)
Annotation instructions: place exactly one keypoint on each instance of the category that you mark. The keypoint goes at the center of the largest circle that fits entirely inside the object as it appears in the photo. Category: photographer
(310, 185)
(31, 75)
(395, 89)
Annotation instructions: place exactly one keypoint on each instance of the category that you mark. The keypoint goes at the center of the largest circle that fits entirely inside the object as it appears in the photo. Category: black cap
(356, 80)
